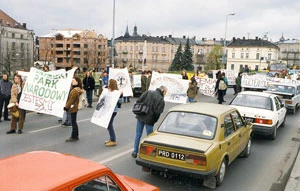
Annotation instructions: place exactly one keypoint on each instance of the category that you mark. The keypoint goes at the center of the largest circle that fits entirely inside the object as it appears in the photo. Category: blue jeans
(68, 118)
(89, 96)
(110, 128)
(191, 100)
(138, 134)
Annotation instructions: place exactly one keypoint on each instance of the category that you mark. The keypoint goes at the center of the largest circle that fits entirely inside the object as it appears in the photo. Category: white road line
(52, 127)
(116, 156)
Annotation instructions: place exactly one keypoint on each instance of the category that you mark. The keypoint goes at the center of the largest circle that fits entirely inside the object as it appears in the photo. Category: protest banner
(177, 88)
(46, 92)
(105, 107)
(137, 80)
(123, 80)
(207, 86)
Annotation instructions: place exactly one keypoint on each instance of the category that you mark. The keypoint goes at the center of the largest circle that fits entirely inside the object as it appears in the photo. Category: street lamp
(224, 54)
(113, 38)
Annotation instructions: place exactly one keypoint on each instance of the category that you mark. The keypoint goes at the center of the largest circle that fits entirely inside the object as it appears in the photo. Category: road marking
(116, 156)
(52, 127)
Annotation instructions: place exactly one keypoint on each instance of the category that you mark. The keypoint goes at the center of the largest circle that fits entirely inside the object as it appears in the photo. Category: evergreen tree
(187, 59)
(177, 61)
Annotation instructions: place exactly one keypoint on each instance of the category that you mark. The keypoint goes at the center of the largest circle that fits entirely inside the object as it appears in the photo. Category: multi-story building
(289, 52)
(69, 47)
(16, 45)
(158, 51)
(255, 54)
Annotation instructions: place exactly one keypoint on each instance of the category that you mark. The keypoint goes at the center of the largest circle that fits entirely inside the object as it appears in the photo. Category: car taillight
(264, 121)
(288, 101)
(147, 150)
(194, 159)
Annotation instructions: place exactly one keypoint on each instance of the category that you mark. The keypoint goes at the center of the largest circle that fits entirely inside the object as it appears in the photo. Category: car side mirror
(248, 122)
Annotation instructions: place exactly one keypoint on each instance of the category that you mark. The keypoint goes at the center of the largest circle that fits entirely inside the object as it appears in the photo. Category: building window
(232, 67)
(13, 35)
(269, 56)
(242, 55)
(152, 48)
(86, 45)
(247, 55)
(233, 55)
(22, 36)
(257, 56)
(163, 49)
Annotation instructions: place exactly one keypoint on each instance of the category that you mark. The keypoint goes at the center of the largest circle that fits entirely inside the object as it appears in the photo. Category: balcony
(140, 52)
(124, 59)
(125, 52)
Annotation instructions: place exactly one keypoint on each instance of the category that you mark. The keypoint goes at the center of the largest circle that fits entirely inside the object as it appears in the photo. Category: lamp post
(224, 54)
(113, 39)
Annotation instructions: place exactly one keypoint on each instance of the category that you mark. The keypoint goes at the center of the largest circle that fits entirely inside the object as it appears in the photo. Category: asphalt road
(266, 168)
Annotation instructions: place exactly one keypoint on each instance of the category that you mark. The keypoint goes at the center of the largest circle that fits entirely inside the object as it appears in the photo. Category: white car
(288, 94)
(264, 110)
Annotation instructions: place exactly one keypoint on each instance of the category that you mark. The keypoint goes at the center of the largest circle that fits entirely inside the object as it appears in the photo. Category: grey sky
(200, 18)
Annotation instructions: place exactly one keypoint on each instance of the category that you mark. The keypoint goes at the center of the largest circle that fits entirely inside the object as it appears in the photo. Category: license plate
(171, 155)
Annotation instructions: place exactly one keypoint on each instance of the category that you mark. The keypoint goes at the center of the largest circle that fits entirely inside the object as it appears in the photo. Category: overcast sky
(200, 18)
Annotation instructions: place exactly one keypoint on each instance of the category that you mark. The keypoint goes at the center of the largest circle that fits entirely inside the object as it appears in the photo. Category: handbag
(140, 108)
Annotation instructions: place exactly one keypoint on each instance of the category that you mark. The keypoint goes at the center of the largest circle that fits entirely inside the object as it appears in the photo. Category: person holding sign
(16, 92)
(112, 86)
(72, 107)
(192, 90)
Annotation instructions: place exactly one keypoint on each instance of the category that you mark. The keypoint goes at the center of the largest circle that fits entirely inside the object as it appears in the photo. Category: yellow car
(198, 140)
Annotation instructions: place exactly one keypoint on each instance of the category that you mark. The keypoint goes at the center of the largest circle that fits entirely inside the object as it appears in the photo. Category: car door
(240, 130)
(280, 109)
(231, 138)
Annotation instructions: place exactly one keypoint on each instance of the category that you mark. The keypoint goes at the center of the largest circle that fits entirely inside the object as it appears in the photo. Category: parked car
(288, 94)
(44, 170)
(264, 110)
(197, 140)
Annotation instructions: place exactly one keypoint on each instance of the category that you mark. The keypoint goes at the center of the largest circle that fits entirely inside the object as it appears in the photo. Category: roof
(69, 33)
(264, 94)
(7, 21)
(203, 108)
(251, 43)
(43, 170)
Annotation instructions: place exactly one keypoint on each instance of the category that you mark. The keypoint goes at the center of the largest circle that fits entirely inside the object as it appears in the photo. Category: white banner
(177, 88)
(105, 107)
(123, 79)
(46, 92)
(207, 86)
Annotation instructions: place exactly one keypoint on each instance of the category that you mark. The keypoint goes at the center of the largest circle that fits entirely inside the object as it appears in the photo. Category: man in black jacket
(89, 86)
(156, 103)
(5, 94)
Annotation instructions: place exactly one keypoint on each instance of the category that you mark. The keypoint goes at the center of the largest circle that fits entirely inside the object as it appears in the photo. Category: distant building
(16, 45)
(159, 51)
(67, 47)
(256, 54)
(289, 52)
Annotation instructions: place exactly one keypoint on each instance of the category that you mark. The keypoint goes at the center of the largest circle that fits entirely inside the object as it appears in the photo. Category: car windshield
(281, 89)
(253, 101)
(189, 124)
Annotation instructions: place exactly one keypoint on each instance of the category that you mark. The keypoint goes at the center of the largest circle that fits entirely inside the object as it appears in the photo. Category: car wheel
(294, 110)
(246, 151)
(274, 134)
(221, 174)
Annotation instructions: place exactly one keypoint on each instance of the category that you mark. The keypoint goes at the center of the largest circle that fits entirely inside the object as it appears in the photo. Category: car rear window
(253, 101)
(281, 89)
(189, 124)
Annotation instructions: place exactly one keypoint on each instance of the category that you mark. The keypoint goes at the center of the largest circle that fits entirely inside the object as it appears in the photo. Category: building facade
(256, 54)
(69, 47)
(158, 51)
(289, 52)
(16, 45)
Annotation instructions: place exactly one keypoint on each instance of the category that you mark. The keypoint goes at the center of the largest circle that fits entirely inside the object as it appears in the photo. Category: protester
(184, 74)
(5, 95)
(156, 103)
(192, 90)
(238, 82)
(127, 98)
(145, 81)
(72, 107)
(219, 89)
(104, 79)
(226, 82)
(112, 86)
(16, 92)
(89, 86)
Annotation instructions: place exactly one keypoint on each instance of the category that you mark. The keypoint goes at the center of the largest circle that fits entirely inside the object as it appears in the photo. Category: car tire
(294, 110)
(221, 174)
(274, 134)
(246, 152)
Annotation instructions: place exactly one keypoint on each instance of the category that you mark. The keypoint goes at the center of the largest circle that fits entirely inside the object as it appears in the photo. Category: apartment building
(159, 51)
(255, 54)
(16, 45)
(289, 52)
(67, 47)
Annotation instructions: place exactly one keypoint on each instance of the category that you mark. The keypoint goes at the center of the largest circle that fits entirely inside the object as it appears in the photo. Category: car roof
(263, 94)
(44, 170)
(203, 108)
(284, 84)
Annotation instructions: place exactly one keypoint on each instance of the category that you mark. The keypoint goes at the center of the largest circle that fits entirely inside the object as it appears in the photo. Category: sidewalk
(293, 183)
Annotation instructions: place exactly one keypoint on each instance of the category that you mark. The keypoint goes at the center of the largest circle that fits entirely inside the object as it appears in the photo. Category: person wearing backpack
(226, 82)
(72, 107)
(220, 88)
